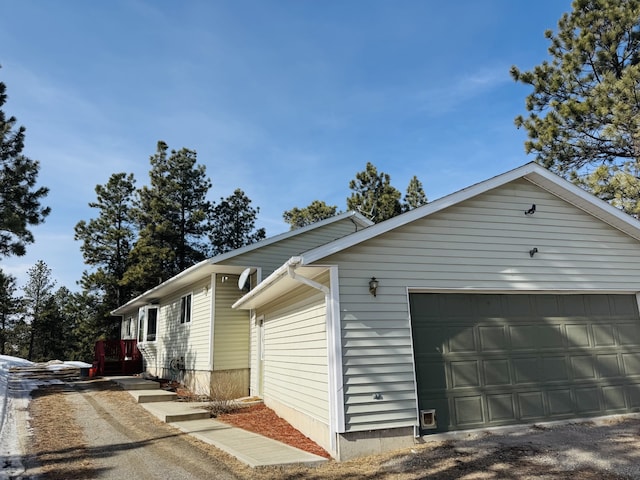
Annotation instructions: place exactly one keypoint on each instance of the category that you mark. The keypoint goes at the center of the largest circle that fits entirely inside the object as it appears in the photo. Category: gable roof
(212, 265)
(532, 172)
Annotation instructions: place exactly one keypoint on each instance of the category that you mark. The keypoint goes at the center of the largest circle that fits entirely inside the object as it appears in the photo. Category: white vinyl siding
(296, 365)
(189, 340)
(231, 336)
(273, 256)
(479, 244)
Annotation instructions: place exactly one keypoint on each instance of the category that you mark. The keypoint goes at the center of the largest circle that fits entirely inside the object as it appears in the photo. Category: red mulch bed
(261, 419)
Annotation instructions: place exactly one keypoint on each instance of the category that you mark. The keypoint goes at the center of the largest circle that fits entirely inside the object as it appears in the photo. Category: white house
(185, 327)
(510, 302)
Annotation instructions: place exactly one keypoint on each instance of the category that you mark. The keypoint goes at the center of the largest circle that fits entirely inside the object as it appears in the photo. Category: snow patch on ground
(15, 394)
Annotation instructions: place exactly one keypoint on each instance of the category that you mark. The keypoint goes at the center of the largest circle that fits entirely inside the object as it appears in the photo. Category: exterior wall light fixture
(373, 286)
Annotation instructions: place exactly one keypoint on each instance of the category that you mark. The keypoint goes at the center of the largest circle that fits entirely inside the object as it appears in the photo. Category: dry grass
(58, 437)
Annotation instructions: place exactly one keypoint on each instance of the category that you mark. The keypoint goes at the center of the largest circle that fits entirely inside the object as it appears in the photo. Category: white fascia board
(143, 298)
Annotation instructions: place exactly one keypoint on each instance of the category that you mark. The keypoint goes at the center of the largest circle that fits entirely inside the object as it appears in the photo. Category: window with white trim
(185, 309)
(152, 323)
(129, 327)
(141, 317)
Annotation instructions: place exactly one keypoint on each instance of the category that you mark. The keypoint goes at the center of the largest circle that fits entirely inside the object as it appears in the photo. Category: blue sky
(286, 100)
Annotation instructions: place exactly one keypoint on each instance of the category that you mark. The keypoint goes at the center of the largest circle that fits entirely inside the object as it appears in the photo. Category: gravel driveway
(106, 438)
(607, 448)
(115, 438)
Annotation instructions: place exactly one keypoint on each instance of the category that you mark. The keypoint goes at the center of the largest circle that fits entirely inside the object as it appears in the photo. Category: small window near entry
(185, 309)
(152, 323)
(141, 325)
(129, 327)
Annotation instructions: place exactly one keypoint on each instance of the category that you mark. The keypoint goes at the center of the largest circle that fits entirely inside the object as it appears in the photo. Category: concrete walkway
(194, 419)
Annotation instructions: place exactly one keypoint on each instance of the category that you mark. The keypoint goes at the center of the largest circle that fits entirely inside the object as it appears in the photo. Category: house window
(141, 325)
(152, 324)
(185, 309)
(129, 327)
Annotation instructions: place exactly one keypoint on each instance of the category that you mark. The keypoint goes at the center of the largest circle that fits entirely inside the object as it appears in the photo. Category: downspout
(292, 264)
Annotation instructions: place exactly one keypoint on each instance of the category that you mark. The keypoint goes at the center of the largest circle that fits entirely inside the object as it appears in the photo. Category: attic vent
(428, 419)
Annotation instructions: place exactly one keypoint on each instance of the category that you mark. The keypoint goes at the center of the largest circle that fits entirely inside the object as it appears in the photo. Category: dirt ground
(606, 450)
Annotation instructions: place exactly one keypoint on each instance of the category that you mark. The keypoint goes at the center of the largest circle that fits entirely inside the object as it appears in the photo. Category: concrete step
(170, 412)
(150, 396)
(135, 383)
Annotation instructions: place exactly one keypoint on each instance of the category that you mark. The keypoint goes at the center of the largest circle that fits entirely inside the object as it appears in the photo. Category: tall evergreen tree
(172, 214)
(584, 120)
(88, 319)
(314, 212)
(10, 306)
(107, 239)
(20, 198)
(415, 196)
(233, 223)
(37, 295)
(373, 195)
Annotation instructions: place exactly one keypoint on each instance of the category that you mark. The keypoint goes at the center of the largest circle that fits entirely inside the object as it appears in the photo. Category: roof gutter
(281, 271)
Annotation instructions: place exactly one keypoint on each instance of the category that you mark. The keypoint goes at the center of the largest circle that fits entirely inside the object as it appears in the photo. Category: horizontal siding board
(231, 327)
(482, 243)
(270, 257)
(295, 365)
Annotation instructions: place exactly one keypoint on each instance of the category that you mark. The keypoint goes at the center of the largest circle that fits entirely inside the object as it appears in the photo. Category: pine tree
(233, 223)
(415, 196)
(172, 214)
(10, 306)
(20, 198)
(37, 296)
(107, 239)
(584, 120)
(373, 195)
(315, 212)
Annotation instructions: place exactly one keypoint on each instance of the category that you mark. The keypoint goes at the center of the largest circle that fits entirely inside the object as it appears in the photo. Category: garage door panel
(555, 369)
(583, 367)
(527, 370)
(577, 336)
(530, 405)
(465, 374)
(560, 402)
(493, 338)
(623, 305)
(614, 398)
(631, 364)
(496, 372)
(587, 400)
(603, 335)
(632, 396)
(501, 407)
(628, 334)
(608, 366)
(468, 410)
(462, 340)
(487, 360)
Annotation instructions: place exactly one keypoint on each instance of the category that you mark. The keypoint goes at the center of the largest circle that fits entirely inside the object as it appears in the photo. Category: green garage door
(489, 360)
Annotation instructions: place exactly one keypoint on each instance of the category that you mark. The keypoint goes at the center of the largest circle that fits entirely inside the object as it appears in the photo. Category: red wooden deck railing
(117, 357)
